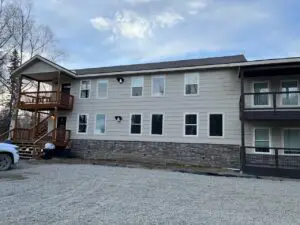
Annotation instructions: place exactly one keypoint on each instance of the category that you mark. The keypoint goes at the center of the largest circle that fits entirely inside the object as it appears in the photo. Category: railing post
(276, 158)
(274, 101)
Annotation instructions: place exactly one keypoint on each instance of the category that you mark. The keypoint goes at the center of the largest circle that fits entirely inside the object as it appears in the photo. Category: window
(262, 139)
(287, 98)
(85, 86)
(136, 124)
(100, 124)
(191, 82)
(190, 124)
(137, 84)
(216, 125)
(158, 86)
(291, 139)
(157, 124)
(82, 123)
(102, 88)
(261, 99)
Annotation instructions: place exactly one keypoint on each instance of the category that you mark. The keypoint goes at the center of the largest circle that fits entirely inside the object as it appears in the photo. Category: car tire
(5, 162)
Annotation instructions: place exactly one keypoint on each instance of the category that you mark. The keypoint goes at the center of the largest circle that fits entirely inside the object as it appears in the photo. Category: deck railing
(275, 157)
(46, 98)
(271, 101)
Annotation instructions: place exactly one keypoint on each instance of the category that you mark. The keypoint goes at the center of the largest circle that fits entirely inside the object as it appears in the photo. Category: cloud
(169, 19)
(100, 23)
(135, 2)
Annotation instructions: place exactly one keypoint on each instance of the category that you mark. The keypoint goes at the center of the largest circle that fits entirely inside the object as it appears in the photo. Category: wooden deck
(45, 100)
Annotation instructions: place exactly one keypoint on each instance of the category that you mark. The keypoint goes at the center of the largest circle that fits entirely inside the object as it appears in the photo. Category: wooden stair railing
(57, 136)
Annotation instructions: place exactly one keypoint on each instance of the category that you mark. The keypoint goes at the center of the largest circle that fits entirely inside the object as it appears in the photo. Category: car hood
(5, 145)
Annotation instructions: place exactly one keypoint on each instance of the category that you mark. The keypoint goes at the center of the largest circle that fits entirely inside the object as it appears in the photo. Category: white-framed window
(157, 124)
(136, 124)
(216, 125)
(191, 124)
(191, 83)
(85, 89)
(291, 139)
(158, 85)
(100, 125)
(289, 99)
(137, 86)
(260, 99)
(262, 139)
(82, 123)
(102, 89)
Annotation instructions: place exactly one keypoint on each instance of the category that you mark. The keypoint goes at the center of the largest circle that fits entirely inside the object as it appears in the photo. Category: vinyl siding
(219, 92)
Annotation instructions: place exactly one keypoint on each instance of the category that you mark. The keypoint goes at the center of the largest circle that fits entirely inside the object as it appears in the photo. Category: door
(61, 122)
(66, 88)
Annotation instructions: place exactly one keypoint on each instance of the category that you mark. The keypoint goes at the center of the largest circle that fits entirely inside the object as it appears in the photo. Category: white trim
(191, 68)
(87, 123)
(56, 66)
(208, 124)
(253, 91)
(282, 140)
(90, 88)
(130, 115)
(102, 81)
(281, 95)
(198, 80)
(105, 122)
(270, 152)
(131, 86)
(163, 124)
(158, 76)
(197, 124)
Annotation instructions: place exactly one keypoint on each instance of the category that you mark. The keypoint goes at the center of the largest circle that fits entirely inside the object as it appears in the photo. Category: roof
(47, 61)
(163, 65)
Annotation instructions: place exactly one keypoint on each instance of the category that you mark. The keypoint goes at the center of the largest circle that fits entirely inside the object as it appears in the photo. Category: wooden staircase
(31, 141)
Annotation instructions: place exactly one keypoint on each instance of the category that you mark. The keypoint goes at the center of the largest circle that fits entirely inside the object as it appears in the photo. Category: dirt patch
(11, 177)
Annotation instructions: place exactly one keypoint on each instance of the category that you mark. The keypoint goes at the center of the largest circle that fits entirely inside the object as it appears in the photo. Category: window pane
(191, 89)
(216, 125)
(262, 134)
(137, 81)
(137, 91)
(190, 130)
(135, 129)
(191, 78)
(158, 88)
(102, 89)
(157, 124)
(292, 140)
(85, 84)
(290, 98)
(100, 124)
(82, 128)
(136, 119)
(261, 99)
(84, 94)
(191, 119)
(82, 118)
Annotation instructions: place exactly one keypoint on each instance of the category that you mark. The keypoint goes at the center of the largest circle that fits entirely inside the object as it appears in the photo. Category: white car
(9, 155)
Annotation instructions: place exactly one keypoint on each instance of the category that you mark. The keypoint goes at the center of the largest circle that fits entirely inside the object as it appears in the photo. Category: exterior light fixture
(52, 117)
(120, 80)
(118, 118)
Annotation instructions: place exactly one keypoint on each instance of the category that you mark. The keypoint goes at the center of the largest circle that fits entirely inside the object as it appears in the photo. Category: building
(221, 112)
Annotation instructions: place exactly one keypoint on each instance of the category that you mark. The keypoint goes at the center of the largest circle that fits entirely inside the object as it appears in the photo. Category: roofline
(58, 67)
(228, 65)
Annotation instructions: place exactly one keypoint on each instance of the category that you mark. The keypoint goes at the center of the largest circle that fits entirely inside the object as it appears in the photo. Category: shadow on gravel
(11, 177)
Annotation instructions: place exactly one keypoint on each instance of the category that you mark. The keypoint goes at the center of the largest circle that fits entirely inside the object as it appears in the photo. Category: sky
(97, 33)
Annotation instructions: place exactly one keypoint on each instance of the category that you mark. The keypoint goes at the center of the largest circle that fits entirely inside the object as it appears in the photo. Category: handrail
(6, 132)
(38, 140)
(272, 92)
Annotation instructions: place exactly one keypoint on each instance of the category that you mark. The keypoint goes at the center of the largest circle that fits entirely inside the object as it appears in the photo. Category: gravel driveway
(87, 194)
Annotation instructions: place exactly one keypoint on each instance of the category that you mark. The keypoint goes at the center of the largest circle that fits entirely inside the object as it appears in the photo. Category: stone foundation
(206, 155)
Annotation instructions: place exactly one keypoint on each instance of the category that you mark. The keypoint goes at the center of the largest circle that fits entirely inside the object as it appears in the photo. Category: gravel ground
(87, 194)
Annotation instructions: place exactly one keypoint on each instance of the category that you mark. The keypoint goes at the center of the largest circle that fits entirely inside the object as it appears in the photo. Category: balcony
(45, 100)
(270, 106)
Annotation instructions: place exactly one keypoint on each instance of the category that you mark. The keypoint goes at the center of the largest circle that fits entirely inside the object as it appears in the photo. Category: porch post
(58, 87)
(36, 111)
(242, 106)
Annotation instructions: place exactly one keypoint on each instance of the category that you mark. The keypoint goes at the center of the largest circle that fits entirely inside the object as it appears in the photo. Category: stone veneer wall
(208, 155)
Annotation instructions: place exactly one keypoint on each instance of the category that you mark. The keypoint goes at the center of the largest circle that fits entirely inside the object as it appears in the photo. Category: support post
(36, 112)
(54, 123)
(58, 89)
(242, 149)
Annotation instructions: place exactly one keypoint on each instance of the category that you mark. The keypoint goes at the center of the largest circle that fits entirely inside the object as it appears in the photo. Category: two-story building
(221, 112)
